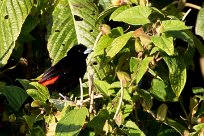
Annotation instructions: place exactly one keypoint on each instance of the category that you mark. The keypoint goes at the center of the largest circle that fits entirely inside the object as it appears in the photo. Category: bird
(64, 75)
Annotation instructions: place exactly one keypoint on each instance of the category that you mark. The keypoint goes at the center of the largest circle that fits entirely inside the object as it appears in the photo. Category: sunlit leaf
(103, 87)
(72, 122)
(133, 129)
(173, 25)
(13, 13)
(104, 42)
(137, 15)
(164, 43)
(140, 68)
(118, 43)
(39, 93)
(71, 22)
(199, 23)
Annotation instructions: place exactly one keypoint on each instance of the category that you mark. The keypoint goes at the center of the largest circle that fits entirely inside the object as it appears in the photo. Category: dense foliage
(142, 76)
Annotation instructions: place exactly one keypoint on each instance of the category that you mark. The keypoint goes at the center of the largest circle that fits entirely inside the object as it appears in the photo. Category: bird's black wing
(54, 72)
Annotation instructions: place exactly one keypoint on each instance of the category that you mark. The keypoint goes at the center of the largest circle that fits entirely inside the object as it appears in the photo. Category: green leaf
(123, 76)
(199, 23)
(105, 13)
(199, 45)
(162, 92)
(197, 90)
(98, 121)
(118, 43)
(72, 22)
(142, 69)
(174, 124)
(103, 87)
(177, 73)
(173, 25)
(162, 112)
(126, 95)
(137, 15)
(15, 96)
(133, 129)
(26, 84)
(118, 11)
(198, 127)
(164, 43)
(29, 120)
(134, 63)
(72, 122)
(37, 131)
(39, 93)
(12, 16)
(103, 43)
(147, 99)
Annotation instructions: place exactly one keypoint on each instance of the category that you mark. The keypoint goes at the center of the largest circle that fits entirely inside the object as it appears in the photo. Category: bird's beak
(88, 50)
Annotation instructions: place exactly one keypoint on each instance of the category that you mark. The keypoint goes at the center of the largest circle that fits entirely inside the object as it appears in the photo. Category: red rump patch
(50, 81)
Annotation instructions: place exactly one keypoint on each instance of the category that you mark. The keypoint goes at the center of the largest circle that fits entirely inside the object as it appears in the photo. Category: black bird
(64, 76)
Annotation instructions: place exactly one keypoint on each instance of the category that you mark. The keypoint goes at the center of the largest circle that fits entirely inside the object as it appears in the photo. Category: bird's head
(80, 50)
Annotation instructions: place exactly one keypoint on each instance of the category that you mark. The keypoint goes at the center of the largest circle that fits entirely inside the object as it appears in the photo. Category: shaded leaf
(162, 92)
(98, 121)
(15, 96)
(177, 73)
(176, 125)
(162, 112)
(29, 120)
(25, 83)
(147, 99)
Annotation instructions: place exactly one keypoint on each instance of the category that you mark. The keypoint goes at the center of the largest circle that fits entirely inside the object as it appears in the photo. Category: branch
(121, 100)
(192, 6)
(91, 91)
(81, 92)
(95, 43)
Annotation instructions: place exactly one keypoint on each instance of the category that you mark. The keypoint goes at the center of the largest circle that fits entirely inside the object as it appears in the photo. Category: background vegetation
(143, 77)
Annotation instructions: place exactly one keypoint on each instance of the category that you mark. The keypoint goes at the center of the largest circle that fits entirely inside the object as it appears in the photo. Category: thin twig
(87, 100)
(192, 6)
(64, 97)
(121, 100)
(186, 14)
(81, 92)
(91, 91)
(78, 102)
(95, 43)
